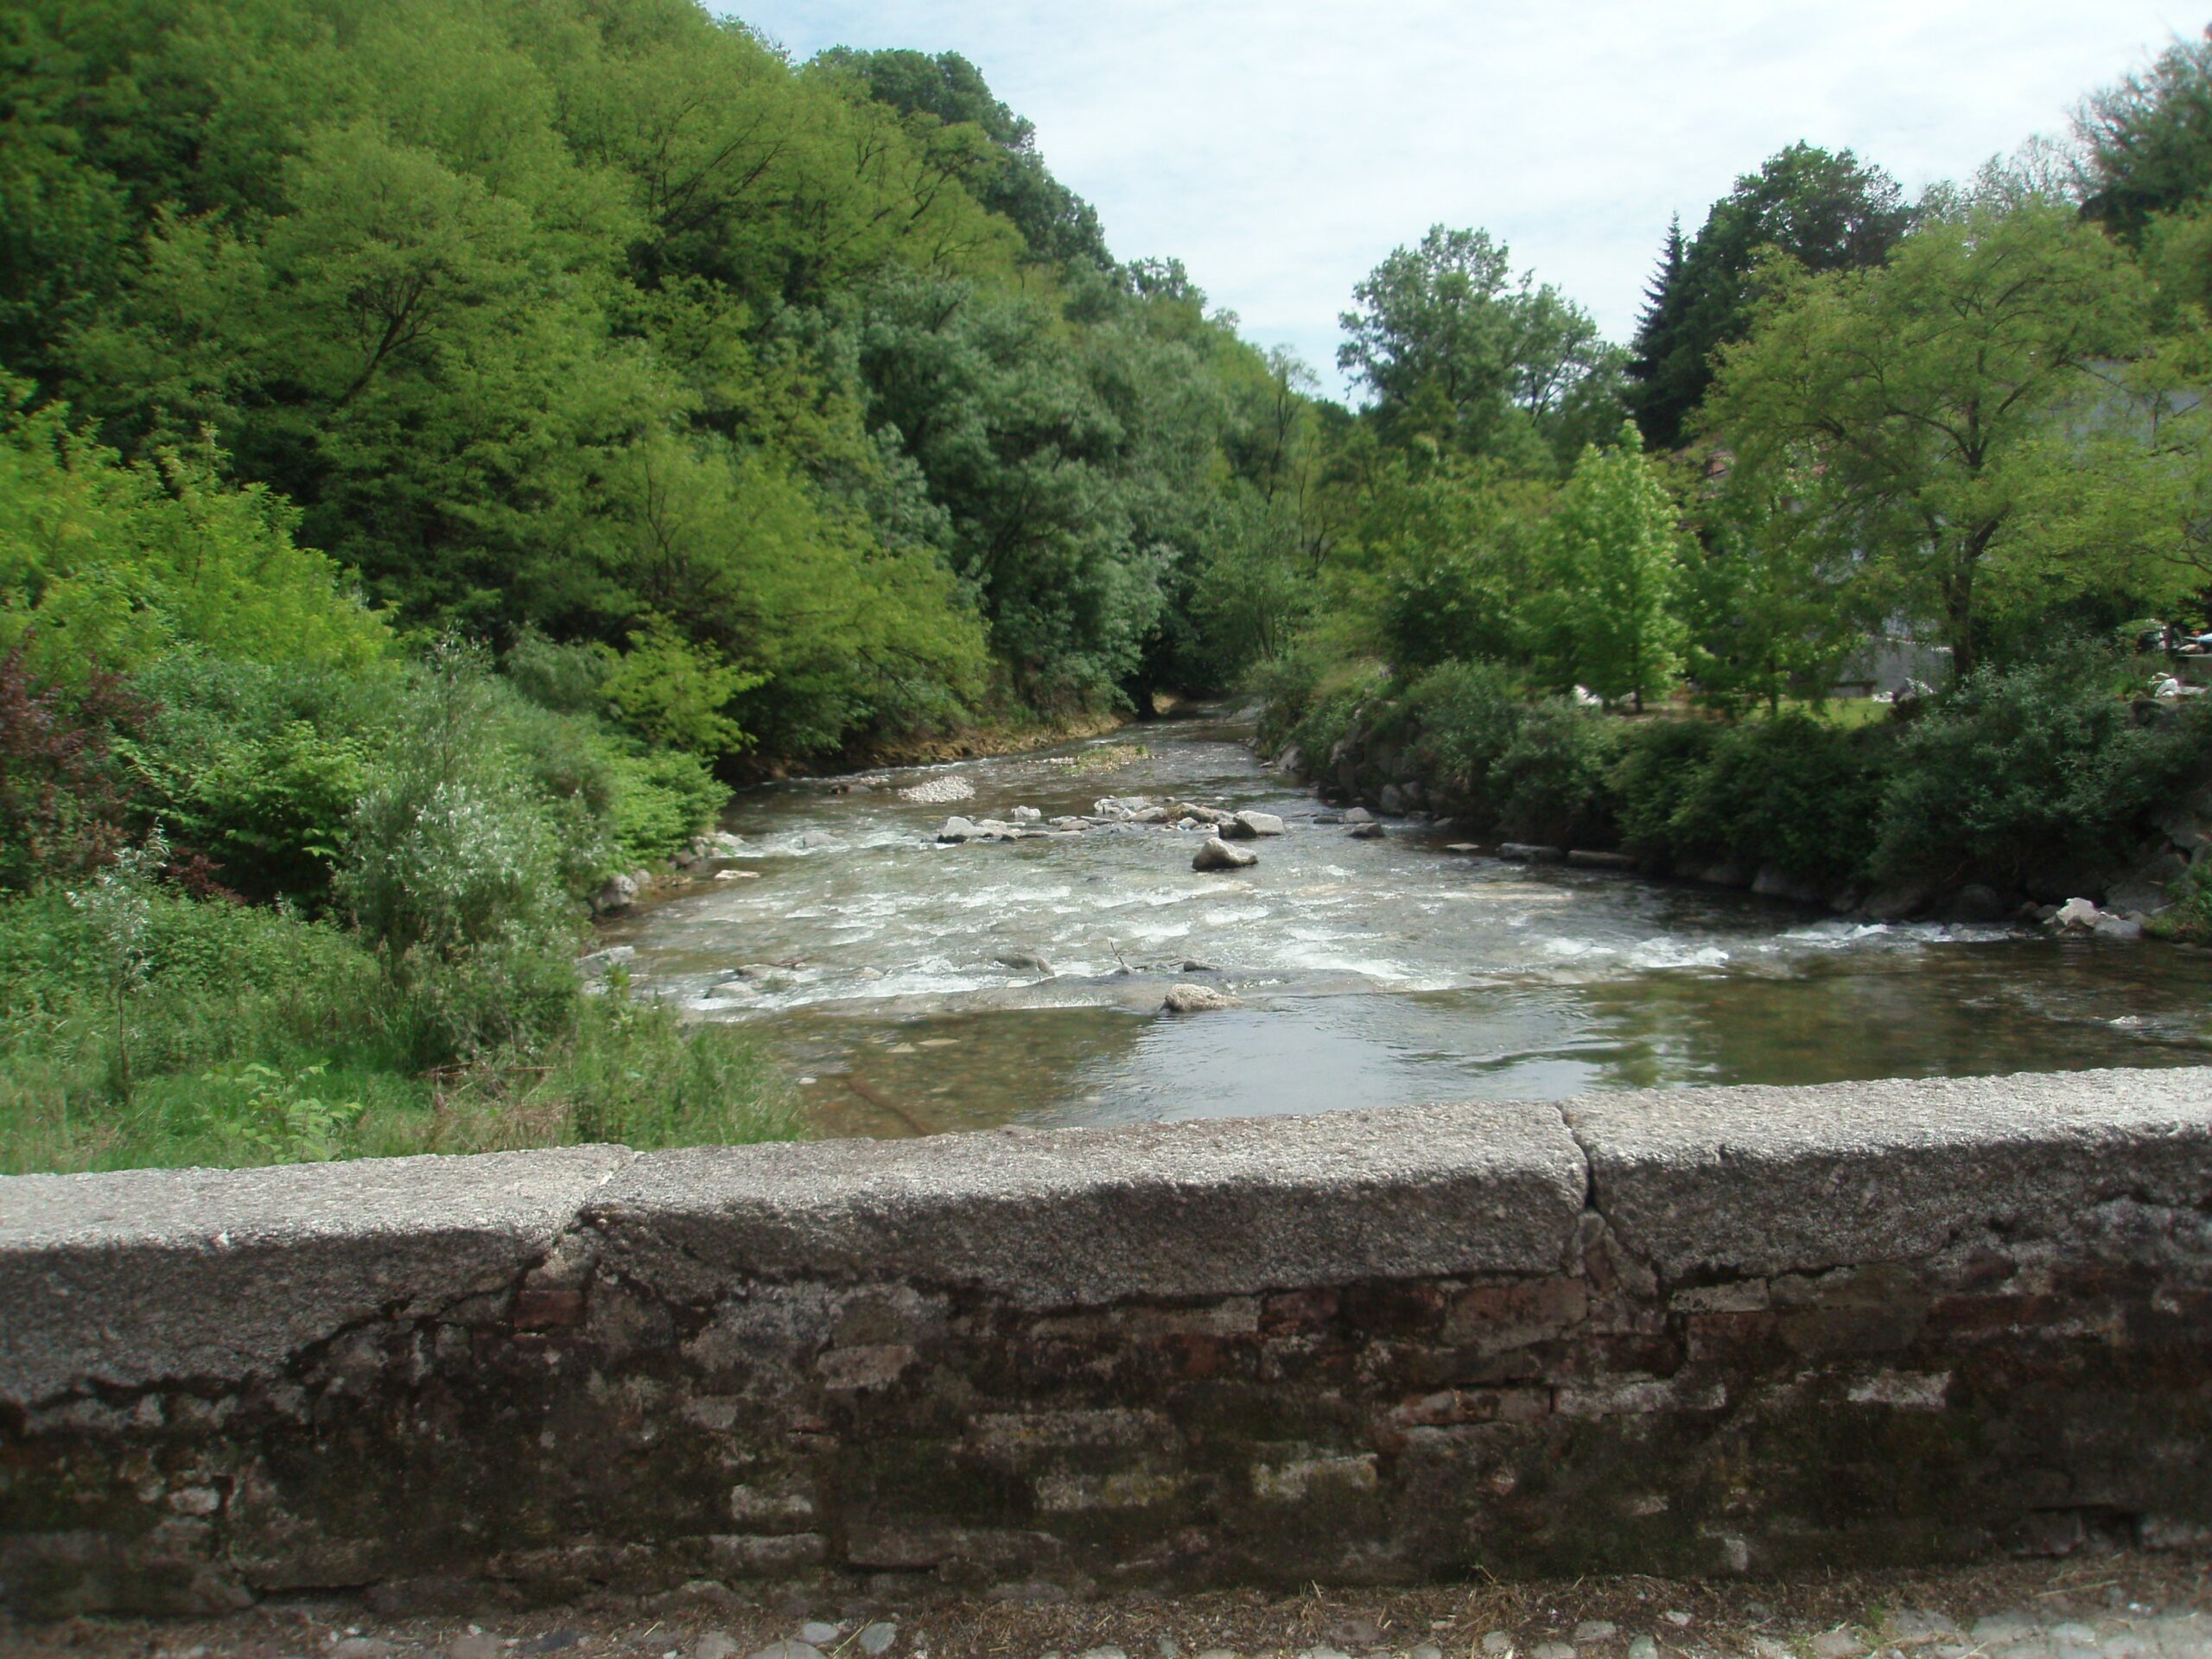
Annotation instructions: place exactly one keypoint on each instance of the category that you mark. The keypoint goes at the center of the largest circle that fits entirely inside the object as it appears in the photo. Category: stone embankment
(1728, 1332)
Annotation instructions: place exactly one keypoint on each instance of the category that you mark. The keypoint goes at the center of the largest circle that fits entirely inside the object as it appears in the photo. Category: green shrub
(1554, 782)
(1792, 791)
(1659, 771)
(568, 679)
(1284, 687)
(454, 873)
(1466, 716)
(257, 768)
(615, 803)
(2190, 919)
(1338, 703)
(676, 692)
(162, 1030)
(635, 1075)
(2029, 766)
(662, 798)
(129, 1013)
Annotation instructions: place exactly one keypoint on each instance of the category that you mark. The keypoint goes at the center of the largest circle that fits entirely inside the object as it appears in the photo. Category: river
(913, 988)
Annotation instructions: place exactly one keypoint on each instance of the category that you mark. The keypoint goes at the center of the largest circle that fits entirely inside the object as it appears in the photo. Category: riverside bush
(1793, 792)
(1529, 771)
(1314, 704)
(2036, 765)
(1467, 716)
(257, 768)
(1555, 781)
(454, 874)
(635, 1076)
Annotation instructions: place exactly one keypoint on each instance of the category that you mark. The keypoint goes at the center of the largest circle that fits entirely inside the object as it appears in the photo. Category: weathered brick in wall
(2030, 1367)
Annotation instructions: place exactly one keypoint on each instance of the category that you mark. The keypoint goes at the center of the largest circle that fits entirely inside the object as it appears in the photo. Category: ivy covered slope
(442, 444)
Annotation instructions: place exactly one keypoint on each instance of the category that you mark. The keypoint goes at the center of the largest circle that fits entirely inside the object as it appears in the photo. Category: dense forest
(444, 447)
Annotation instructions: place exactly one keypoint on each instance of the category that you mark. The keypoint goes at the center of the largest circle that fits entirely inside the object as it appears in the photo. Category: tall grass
(222, 1035)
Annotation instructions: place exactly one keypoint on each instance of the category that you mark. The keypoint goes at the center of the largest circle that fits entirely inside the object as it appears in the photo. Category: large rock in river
(1245, 826)
(1218, 855)
(1196, 999)
(619, 893)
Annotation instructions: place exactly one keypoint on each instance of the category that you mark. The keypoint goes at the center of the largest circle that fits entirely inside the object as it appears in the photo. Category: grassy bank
(266, 914)
(152, 1029)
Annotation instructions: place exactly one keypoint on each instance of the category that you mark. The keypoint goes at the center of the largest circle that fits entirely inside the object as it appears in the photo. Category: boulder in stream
(1978, 901)
(599, 963)
(1196, 999)
(2077, 916)
(1218, 855)
(1774, 882)
(938, 792)
(1895, 903)
(957, 829)
(1246, 825)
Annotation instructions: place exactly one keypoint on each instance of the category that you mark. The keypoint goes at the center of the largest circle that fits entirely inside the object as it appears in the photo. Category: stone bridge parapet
(1732, 1330)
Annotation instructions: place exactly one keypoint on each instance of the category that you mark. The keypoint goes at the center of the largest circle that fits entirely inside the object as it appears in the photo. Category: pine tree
(1657, 326)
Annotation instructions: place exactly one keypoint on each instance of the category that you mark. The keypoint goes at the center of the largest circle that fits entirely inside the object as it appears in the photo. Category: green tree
(1769, 614)
(1603, 615)
(106, 566)
(2148, 141)
(1011, 178)
(1454, 348)
(1944, 415)
(1823, 211)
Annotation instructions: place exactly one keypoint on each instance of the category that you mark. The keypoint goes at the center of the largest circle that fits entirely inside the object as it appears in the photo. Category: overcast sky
(1281, 148)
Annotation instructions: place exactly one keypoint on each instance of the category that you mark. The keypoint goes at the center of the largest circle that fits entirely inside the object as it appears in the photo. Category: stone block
(215, 1275)
(1757, 1181)
(1072, 1218)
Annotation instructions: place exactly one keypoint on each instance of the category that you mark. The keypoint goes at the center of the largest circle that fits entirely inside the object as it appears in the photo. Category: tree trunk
(1958, 605)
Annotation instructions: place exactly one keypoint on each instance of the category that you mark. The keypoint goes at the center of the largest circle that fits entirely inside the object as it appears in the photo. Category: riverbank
(1998, 803)
(988, 740)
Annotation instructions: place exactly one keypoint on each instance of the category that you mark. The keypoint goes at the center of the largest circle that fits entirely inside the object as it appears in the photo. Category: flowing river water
(911, 988)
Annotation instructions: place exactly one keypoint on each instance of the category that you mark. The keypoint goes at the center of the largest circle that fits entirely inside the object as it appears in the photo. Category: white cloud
(1280, 148)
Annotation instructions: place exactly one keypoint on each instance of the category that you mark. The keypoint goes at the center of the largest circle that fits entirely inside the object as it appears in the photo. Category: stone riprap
(1724, 1330)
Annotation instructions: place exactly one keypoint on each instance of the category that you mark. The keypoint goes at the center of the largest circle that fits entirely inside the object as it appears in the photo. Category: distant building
(1882, 665)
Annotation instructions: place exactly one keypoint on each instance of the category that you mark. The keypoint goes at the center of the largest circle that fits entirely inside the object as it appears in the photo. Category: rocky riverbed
(997, 940)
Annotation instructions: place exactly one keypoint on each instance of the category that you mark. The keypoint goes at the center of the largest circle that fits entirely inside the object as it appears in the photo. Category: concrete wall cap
(1085, 1217)
(153, 1274)
(1756, 1180)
